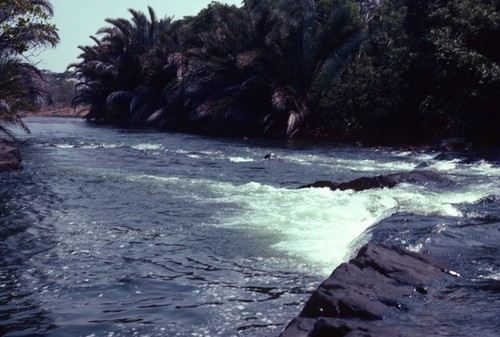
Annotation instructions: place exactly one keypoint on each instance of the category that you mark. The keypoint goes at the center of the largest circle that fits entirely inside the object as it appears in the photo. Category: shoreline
(459, 148)
(10, 158)
(60, 112)
(368, 295)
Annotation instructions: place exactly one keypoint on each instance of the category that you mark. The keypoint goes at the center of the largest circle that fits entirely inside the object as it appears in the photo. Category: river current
(123, 232)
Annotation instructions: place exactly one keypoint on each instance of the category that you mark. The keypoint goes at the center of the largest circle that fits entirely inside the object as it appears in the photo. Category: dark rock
(10, 158)
(423, 165)
(270, 156)
(377, 283)
(390, 180)
(463, 158)
(322, 183)
(454, 144)
(329, 327)
(366, 183)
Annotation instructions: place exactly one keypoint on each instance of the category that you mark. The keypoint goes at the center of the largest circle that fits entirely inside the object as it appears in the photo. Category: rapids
(123, 232)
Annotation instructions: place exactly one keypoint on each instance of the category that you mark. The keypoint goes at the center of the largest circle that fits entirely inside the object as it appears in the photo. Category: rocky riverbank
(368, 295)
(65, 111)
(10, 158)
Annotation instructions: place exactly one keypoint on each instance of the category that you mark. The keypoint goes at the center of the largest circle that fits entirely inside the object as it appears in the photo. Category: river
(123, 232)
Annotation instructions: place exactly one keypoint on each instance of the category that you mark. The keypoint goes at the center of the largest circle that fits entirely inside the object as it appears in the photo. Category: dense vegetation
(58, 90)
(378, 71)
(260, 70)
(394, 71)
(24, 27)
(429, 70)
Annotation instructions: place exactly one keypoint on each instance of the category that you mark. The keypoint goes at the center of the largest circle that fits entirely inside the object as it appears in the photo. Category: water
(119, 232)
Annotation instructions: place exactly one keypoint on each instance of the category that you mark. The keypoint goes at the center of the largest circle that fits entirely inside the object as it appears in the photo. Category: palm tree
(308, 56)
(23, 26)
(292, 47)
(213, 87)
(257, 70)
(122, 77)
(20, 90)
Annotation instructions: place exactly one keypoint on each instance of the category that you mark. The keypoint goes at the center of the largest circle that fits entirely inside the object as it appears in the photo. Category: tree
(19, 91)
(368, 104)
(24, 26)
(462, 56)
(58, 89)
(262, 69)
(428, 70)
(270, 63)
(122, 77)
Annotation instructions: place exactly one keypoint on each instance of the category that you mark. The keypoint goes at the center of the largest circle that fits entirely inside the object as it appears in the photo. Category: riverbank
(58, 112)
(379, 284)
(10, 158)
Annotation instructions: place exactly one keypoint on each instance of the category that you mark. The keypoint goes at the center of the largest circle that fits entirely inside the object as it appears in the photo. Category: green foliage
(369, 102)
(24, 25)
(257, 70)
(58, 89)
(392, 72)
(464, 40)
(429, 70)
(19, 91)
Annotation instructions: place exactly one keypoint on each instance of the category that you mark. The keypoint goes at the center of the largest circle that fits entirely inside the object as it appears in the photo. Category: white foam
(148, 147)
(342, 164)
(65, 146)
(111, 146)
(89, 146)
(318, 225)
(240, 159)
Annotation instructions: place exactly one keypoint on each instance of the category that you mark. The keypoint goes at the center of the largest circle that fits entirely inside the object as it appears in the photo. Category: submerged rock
(10, 158)
(389, 181)
(358, 295)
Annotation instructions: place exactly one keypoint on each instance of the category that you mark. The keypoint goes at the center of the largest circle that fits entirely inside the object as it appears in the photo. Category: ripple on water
(122, 233)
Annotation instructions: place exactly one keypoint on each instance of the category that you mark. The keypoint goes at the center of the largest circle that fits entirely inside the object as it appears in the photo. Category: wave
(317, 225)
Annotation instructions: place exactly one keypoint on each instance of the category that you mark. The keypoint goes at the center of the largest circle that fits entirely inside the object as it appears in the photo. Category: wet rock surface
(358, 297)
(10, 158)
(381, 181)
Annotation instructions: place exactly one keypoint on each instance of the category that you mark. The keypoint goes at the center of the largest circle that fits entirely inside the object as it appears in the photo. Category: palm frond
(330, 71)
(295, 122)
(20, 91)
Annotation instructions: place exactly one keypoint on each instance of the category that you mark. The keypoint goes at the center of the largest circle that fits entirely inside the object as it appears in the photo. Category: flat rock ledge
(359, 296)
(10, 158)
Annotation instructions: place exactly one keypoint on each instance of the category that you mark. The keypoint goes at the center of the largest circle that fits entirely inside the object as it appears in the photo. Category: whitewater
(119, 232)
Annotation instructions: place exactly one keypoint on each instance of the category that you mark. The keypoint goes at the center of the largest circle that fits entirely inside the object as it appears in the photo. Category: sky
(79, 19)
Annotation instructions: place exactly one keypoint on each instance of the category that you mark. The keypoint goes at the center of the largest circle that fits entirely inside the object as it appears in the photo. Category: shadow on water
(24, 233)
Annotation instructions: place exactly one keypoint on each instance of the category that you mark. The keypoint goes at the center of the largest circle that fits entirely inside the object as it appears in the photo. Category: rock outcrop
(379, 282)
(389, 181)
(10, 158)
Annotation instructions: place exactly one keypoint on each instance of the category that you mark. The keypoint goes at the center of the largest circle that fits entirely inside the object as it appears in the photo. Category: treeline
(259, 70)
(58, 91)
(381, 72)
(387, 72)
(428, 70)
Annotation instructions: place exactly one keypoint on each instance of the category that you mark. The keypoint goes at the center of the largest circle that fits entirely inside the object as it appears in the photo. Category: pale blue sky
(78, 19)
